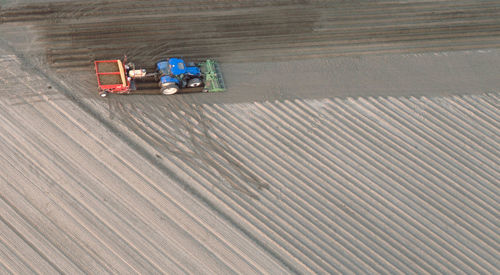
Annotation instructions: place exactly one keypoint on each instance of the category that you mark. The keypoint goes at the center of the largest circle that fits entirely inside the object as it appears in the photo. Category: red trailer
(111, 77)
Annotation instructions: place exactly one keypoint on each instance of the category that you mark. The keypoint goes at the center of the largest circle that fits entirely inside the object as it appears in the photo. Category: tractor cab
(176, 67)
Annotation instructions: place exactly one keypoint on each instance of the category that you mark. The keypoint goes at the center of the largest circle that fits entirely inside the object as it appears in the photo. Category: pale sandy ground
(383, 163)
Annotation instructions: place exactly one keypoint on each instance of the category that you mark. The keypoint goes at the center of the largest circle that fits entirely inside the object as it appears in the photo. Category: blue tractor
(175, 75)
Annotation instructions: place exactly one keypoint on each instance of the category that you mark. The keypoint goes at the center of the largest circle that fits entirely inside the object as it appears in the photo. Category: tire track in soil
(192, 141)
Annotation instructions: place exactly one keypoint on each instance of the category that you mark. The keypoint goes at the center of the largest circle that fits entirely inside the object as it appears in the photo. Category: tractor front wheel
(169, 89)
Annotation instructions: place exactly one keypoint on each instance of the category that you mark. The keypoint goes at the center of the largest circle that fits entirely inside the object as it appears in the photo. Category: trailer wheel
(103, 94)
(169, 89)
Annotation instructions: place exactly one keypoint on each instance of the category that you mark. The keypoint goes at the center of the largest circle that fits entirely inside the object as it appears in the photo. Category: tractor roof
(177, 66)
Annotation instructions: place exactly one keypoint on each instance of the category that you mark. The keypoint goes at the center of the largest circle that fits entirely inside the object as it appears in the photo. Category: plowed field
(355, 137)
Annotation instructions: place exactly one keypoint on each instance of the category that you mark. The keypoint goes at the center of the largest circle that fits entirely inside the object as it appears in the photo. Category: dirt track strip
(75, 34)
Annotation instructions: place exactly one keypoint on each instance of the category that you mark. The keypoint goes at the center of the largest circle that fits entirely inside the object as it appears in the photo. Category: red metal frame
(115, 88)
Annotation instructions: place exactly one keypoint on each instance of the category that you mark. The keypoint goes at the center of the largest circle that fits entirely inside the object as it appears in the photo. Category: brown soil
(247, 30)
(107, 67)
(110, 79)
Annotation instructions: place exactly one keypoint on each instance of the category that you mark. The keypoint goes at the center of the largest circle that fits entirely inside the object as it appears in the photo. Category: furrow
(158, 129)
(100, 198)
(431, 137)
(351, 153)
(367, 149)
(48, 224)
(486, 116)
(270, 153)
(324, 160)
(143, 215)
(455, 129)
(354, 151)
(461, 215)
(392, 109)
(159, 229)
(481, 122)
(388, 145)
(295, 167)
(399, 137)
(13, 259)
(63, 175)
(222, 196)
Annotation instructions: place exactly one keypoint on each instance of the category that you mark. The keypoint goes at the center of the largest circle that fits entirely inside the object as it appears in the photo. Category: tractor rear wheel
(194, 82)
(169, 89)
